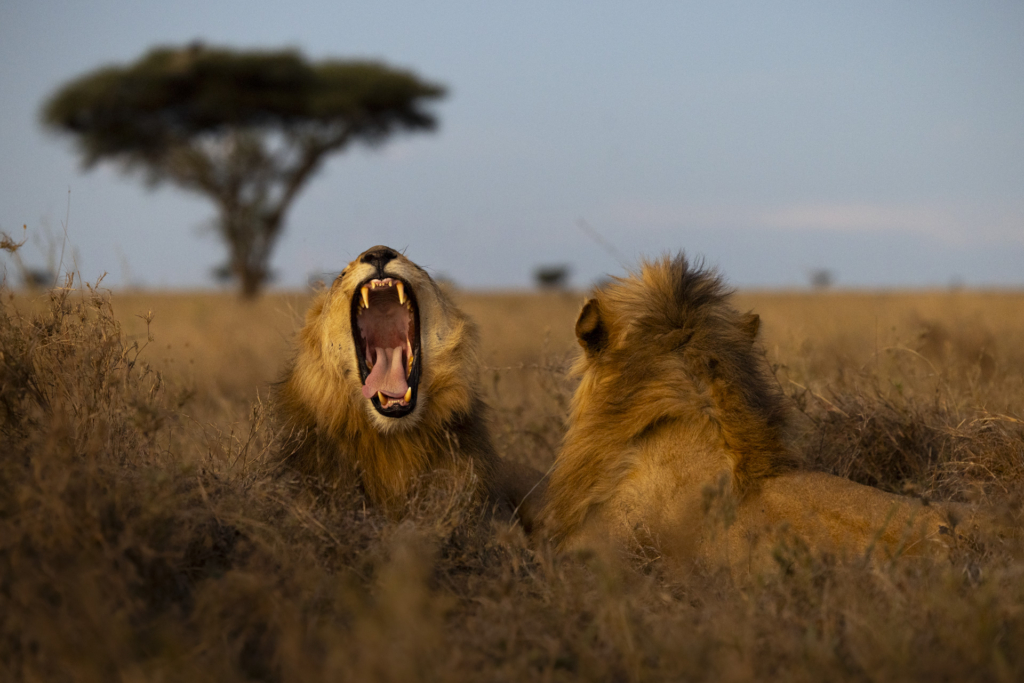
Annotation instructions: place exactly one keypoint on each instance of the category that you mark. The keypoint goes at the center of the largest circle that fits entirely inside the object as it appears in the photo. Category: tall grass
(143, 536)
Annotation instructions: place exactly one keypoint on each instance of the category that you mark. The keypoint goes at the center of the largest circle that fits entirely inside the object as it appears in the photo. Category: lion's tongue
(387, 375)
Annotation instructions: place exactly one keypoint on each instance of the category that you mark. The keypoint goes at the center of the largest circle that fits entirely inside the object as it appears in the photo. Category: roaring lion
(384, 387)
(677, 439)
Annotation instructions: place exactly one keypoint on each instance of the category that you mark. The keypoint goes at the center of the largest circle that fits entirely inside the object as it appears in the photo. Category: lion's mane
(334, 433)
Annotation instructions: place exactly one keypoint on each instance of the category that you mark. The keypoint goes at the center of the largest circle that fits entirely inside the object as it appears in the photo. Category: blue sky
(883, 141)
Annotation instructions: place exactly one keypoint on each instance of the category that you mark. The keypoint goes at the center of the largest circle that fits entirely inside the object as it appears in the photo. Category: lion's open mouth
(385, 329)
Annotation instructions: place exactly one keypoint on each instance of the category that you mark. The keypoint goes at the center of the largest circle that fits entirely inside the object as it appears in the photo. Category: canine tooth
(408, 369)
(366, 296)
(401, 292)
(408, 395)
(382, 399)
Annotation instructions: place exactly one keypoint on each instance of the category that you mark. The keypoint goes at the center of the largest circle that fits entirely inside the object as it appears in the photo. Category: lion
(384, 387)
(677, 439)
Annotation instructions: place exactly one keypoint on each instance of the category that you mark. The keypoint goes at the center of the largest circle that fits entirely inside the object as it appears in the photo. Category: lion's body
(335, 432)
(677, 439)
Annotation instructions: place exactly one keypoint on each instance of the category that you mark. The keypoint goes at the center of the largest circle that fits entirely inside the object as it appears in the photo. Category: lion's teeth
(382, 399)
(408, 395)
(408, 367)
(366, 296)
(401, 292)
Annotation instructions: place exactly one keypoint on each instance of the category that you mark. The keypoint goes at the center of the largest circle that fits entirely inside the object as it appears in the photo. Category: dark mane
(696, 288)
(665, 355)
(685, 311)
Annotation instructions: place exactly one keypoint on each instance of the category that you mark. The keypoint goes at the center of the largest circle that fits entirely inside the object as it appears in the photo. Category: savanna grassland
(145, 535)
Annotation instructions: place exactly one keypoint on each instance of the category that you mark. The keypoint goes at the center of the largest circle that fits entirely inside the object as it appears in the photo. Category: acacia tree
(245, 128)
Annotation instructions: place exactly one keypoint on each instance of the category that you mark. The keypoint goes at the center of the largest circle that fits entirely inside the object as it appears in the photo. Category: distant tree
(245, 128)
(821, 278)
(552, 276)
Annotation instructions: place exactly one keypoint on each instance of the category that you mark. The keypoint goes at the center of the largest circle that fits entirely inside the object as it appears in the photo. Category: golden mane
(346, 422)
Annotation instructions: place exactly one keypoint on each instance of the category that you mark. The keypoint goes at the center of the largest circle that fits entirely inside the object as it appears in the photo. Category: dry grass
(142, 537)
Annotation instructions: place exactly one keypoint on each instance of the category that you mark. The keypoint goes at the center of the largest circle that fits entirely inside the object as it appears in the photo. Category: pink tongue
(387, 375)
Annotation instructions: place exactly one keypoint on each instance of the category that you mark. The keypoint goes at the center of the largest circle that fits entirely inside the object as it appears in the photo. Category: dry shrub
(904, 446)
(138, 543)
(129, 550)
(929, 423)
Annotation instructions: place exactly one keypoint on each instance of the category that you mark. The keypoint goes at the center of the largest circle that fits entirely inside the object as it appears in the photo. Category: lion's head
(665, 343)
(389, 330)
(665, 352)
(384, 383)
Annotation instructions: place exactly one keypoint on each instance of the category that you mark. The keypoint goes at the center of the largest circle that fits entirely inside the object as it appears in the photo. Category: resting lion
(676, 439)
(385, 387)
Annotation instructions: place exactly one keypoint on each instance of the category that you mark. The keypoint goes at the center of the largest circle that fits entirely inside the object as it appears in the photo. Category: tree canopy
(246, 128)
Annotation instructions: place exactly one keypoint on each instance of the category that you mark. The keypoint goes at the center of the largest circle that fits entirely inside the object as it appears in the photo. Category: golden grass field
(144, 536)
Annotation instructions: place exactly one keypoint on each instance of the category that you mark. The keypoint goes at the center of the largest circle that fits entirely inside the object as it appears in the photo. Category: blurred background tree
(552, 276)
(821, 278)
(245, 128)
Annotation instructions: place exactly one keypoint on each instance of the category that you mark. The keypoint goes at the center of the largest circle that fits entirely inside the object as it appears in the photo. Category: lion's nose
(378, 257)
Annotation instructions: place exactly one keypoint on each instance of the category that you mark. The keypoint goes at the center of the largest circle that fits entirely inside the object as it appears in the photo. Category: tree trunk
(250, 237)
(252, 283)
(250, 267)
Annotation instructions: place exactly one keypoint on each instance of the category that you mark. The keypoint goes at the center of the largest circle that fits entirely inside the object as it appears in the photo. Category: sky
(882, 141)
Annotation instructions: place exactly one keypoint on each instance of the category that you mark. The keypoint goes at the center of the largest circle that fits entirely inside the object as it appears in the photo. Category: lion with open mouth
(385, 387)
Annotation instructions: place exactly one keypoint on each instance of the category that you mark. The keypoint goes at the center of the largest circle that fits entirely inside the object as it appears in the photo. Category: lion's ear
(590, 329)
(750, 325)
